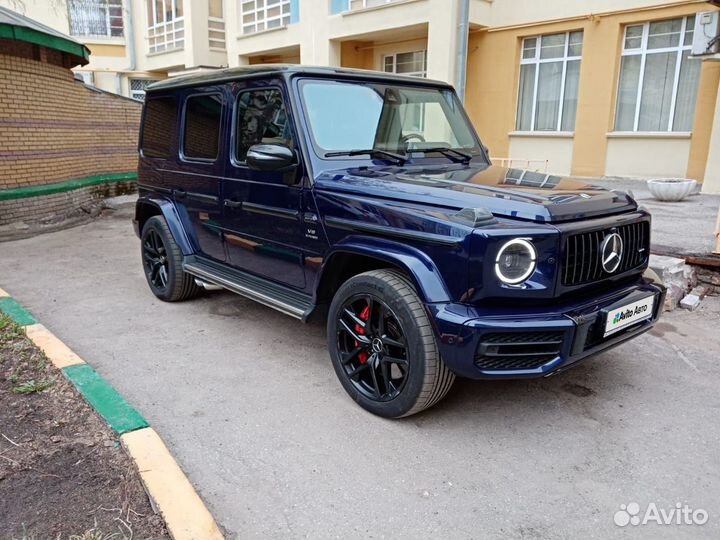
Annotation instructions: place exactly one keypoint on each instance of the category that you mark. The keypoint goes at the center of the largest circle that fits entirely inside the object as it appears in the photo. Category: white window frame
(537, 61)
(644, 51)
(364, 4)
(166, 31)
(420, 74)
(261, 16)
(104, 5)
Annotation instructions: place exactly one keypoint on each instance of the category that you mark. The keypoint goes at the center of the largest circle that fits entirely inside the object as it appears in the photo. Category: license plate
(629, 314)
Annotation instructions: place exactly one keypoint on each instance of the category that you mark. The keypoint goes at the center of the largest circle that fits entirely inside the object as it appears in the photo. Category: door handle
(180, 193)
(232, 204)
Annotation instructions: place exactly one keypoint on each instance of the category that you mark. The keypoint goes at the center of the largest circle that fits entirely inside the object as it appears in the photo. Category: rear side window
(201, 138)
(261, 119)
(159, 129)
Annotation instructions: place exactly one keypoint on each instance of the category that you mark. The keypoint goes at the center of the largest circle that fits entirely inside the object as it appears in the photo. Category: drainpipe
(462, 51)
(129, 42)
(716, 251)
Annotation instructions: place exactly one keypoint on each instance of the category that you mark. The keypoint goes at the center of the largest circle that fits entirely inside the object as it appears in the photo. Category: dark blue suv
(369, 200)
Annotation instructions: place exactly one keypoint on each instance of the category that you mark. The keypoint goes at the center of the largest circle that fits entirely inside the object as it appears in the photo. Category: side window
(261, 119)
(159, 130)
(201, 137)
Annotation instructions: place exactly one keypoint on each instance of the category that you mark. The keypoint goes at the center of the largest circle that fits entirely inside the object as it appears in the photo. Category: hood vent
(474, 217)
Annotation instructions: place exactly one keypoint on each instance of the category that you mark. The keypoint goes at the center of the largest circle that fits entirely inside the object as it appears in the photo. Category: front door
(262, 209)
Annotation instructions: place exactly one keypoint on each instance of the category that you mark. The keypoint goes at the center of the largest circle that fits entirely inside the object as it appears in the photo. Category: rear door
(201, 158)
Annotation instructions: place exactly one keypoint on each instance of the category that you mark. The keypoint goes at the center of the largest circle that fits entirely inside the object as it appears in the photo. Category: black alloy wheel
(155, 260)
(372, 346)
(383, 347)
(162, 262)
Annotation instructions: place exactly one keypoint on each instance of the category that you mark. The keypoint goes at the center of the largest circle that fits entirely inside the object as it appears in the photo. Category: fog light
(515, 261)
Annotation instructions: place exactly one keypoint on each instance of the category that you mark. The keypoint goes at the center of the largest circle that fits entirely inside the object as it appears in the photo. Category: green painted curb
(16, 312)
(66, 185)
(117, 412)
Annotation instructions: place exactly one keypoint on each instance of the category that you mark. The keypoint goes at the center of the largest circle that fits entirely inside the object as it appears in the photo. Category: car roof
(238, 73)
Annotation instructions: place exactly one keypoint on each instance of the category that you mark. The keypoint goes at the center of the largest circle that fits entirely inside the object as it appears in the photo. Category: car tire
(370, 316)
(162, 263)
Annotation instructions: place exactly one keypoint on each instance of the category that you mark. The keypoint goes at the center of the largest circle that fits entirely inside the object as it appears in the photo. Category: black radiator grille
(582, 253)
(517, 350)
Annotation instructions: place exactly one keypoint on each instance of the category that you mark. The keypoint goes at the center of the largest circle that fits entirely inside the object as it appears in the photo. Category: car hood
(506, 192)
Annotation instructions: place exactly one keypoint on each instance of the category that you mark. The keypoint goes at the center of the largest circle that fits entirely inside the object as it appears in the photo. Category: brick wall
(32, 215)
(53, 128)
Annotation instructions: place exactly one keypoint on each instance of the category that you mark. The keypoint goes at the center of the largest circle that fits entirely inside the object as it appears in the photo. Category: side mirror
(270, 157)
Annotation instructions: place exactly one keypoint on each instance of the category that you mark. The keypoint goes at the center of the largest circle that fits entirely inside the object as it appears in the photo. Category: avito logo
(619, 317)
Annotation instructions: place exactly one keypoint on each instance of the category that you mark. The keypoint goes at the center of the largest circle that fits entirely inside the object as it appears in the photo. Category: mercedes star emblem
(611, 252)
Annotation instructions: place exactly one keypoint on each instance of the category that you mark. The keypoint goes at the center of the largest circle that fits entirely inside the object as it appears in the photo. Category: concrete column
(712, 170)
(442, 40)
(233, 29)
(595, 112)
(196, 32)
(316, 48)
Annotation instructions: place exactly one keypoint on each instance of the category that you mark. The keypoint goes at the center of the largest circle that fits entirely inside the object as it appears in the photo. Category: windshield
(345, 117)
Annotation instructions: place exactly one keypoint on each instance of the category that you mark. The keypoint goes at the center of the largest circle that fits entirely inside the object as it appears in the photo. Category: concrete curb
(185, 514)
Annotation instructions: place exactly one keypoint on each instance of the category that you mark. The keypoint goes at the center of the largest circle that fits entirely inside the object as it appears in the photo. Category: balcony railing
(167, 36)
(216, 33)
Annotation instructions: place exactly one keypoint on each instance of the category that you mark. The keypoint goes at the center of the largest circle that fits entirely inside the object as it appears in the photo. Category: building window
(216, 25)
(201, 139)
(138, 87)
(549, 80)
(658, 80)
(410, 63)
(96, 18)
(159, 127)
(166, 25)
(361, 4)
(87, 77)
(259, 15)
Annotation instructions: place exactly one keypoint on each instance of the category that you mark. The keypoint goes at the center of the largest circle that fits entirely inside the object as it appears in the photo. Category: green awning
(20, 28)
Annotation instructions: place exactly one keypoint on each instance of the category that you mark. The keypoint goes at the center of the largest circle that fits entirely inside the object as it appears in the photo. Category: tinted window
(262, 119)
(159, 127)
(202, 127)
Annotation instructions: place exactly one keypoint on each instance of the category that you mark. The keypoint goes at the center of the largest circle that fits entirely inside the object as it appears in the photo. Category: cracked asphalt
(248, 402)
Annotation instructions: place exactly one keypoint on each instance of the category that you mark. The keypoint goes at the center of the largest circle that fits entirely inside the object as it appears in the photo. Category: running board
(284, 299)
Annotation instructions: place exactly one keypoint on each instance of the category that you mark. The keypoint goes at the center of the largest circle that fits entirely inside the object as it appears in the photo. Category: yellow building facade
(582, 87)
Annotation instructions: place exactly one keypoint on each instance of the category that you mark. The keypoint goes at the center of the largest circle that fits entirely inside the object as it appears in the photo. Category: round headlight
(515, 261)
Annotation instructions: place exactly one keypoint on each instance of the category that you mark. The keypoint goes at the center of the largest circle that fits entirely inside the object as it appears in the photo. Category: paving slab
(679, 228)
(247, 401)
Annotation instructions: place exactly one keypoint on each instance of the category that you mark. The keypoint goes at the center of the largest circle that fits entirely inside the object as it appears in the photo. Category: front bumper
(577, 327)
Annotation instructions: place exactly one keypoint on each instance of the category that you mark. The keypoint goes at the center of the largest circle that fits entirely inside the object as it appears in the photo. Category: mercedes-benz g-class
(368, 199)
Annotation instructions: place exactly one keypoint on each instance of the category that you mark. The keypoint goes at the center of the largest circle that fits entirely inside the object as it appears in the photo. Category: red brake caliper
(364, 315)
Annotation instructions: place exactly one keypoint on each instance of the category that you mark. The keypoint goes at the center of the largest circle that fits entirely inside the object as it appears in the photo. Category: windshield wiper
(455, 155)
(372, 152)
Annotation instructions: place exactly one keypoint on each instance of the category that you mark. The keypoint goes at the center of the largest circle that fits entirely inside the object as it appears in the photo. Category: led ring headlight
(516, 261)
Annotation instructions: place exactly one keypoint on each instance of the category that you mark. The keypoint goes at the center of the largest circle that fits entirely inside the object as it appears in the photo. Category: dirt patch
(63, 473)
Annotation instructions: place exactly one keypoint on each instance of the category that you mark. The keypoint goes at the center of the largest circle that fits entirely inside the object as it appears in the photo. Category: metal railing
(216, 33)
(541, 165)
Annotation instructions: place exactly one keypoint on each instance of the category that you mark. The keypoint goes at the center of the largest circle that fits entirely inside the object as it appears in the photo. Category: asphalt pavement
(248, 402)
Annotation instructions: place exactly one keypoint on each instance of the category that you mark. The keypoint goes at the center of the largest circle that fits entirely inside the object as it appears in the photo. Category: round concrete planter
(671, 189)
